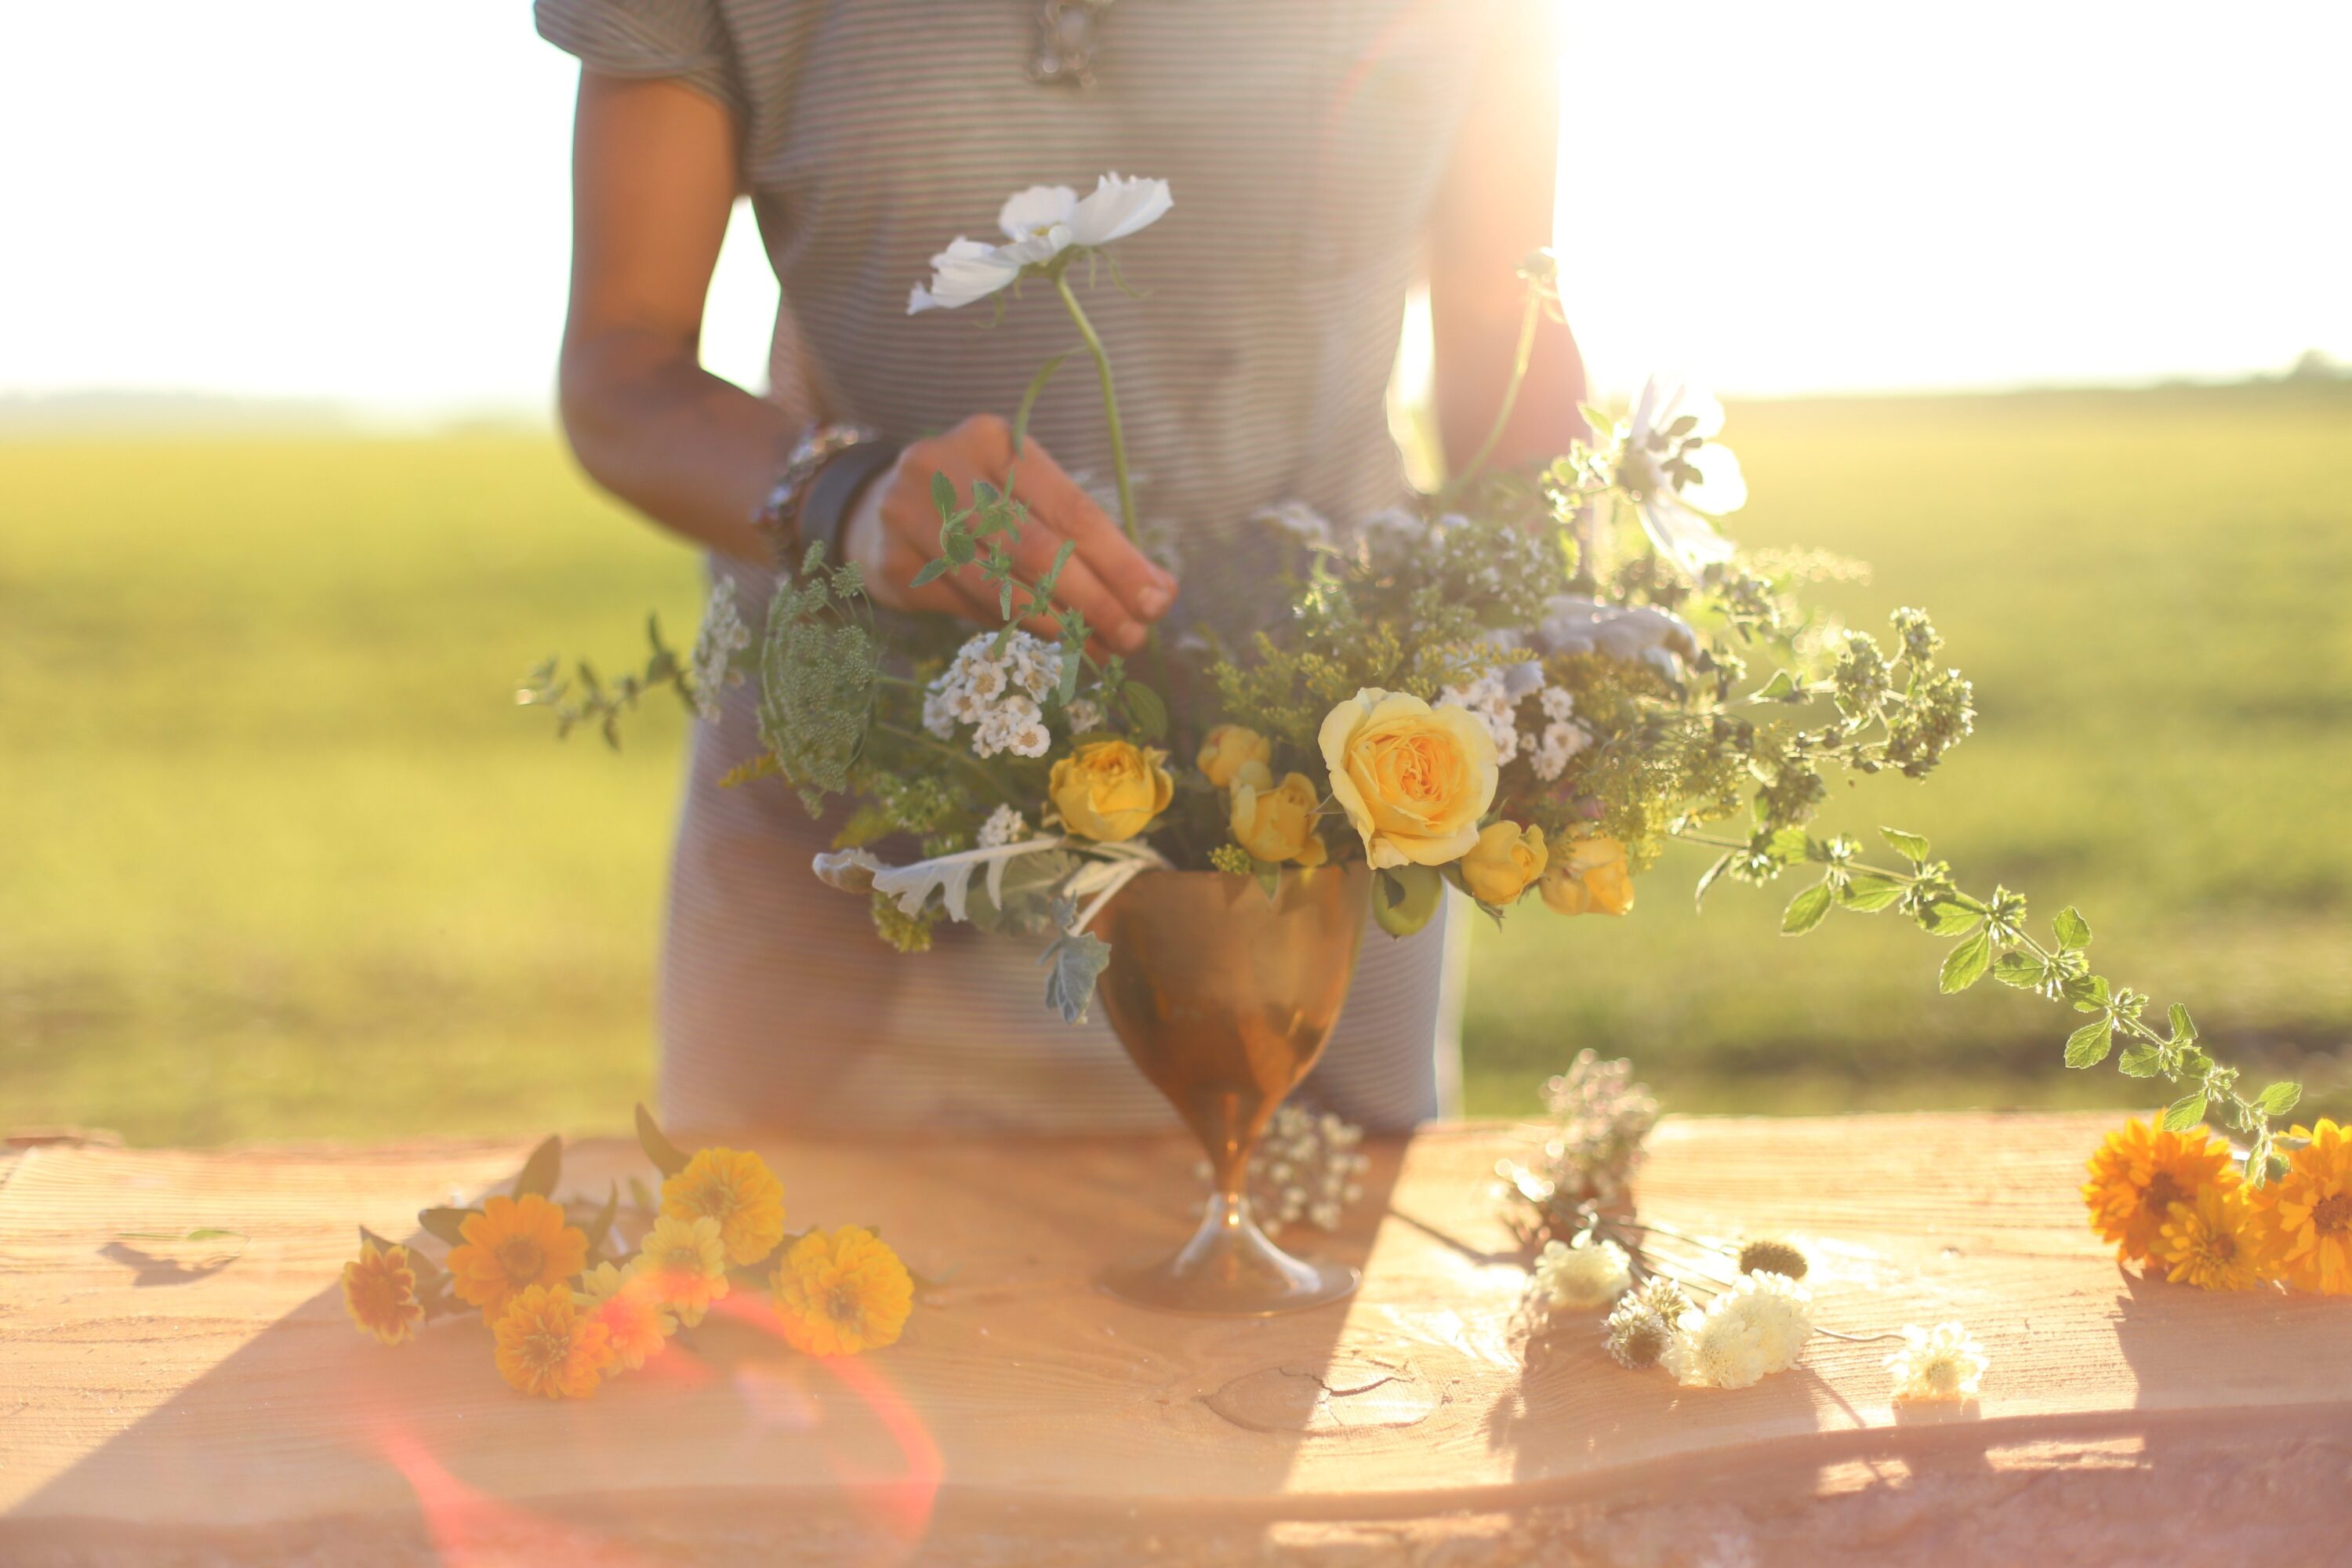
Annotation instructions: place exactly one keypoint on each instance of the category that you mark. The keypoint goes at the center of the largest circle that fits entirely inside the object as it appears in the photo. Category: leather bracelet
(779, 517)
(833, 493)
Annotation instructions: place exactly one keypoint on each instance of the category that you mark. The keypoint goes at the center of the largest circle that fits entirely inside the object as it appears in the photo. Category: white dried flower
(1579, 1277)
(1755, 1328)
(1942, 1363)
(1004, 825)
(1489, 697)
(1678, 474)
(1558, 703)
(1304, 1169)
(722, 636)
(1561, 743)
(1085, 714)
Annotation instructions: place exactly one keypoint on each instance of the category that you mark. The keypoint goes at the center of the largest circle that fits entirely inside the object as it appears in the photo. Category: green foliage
(908, 933)
(584, 697)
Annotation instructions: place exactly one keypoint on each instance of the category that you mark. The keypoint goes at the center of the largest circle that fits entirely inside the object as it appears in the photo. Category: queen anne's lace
(997, 694)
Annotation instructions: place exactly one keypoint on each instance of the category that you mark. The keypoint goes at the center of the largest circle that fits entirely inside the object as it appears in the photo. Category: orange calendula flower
(2214, 1241)
(2307, 1212)
(512, 1245)
(634, 1319)
(547, 1347)
(841, 1293)
(2139, 1172)
(739, 1192)
(379, 1293)
(685, 1262)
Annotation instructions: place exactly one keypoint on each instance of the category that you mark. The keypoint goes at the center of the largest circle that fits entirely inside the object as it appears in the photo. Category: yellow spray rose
(1413, 780)
(1228, 748)
(1108, 790)
(1590, 879)
(1275, 822)
(1505, 861)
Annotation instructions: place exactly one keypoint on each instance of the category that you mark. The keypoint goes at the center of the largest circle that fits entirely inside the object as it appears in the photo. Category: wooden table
(155, 1407)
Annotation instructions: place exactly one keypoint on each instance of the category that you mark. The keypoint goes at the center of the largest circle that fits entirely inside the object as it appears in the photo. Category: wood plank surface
(153, 1403)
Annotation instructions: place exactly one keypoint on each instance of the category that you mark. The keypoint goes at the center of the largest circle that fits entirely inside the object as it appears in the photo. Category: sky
(368, 205)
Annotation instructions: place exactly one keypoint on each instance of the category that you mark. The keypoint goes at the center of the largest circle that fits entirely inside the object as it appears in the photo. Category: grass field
(280, 859)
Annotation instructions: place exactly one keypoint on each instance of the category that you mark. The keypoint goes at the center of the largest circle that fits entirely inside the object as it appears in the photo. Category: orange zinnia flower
(546, 1347)
(841, 1294)
(634, 1319)
(512, 1245)
(379, 1293)
(2139, 1172)
(685, 1262)
(2307, 1212)
(739, 1191)
(2213, 1242)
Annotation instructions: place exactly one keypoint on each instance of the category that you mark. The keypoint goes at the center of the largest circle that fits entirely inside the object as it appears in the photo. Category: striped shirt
(1303, 140)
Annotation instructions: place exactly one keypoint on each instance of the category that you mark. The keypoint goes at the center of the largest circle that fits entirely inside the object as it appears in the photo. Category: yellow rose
(1228, 748)
(1275, 823)
(1109, 790)
(1413, 780)
(1505, 861)
(1591, 879)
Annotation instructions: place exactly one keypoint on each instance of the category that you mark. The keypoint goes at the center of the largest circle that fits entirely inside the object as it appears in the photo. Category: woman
(1323, 155)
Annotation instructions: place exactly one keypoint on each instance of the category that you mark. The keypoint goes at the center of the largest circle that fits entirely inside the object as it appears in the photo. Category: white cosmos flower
(1678, 474)
(1039, 224)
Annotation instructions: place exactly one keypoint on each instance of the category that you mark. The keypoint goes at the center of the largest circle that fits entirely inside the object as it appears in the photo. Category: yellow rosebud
(1226, 749)
(1276, 822)
(1108, 790)
(1590, 879)
(1503, 863)
(1413, 780)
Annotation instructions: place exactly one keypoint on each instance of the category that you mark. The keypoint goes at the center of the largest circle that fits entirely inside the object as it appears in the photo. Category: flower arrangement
(1534, 682)
(569, 1307)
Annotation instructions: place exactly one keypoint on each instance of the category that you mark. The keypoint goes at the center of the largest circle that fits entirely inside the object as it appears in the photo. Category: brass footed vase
(1225, 1000)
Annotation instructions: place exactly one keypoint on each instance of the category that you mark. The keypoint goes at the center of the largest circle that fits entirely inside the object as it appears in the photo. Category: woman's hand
(894, 531)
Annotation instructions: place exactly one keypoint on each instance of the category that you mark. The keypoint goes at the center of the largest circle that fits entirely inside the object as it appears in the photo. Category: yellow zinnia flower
(379, 1293)
(2307, 1212)
(686, 1263)
(1589, 879)
(843, 1293)
(1109, 791)
(2139, 1172)
(739, 1191)
(634, 1319)
(1229, 748)
(2212, 1242)
(512, 1245)
(546, 1347)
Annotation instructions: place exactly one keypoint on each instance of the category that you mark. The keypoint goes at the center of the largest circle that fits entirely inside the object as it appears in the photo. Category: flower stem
(1110, 402)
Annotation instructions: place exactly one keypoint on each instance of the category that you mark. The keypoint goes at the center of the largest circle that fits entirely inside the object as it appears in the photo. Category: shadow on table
(1017, 1380)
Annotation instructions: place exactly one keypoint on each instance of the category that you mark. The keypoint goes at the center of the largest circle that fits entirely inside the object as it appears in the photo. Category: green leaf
(958, 547)
(1806, 911)
(943, 495)
(1269, 878)
(1910, 846)
(1029, 399)
(1966, 964)
(936, 567)
(602, 1225)
(2184, 1027)
(542, 1170)
(1781, 688)
(2139, 1059)
(1404, 896)
(2018, 968)
(2088, 1045)
(2074, 931)
(1947, 919)
(1722, 864)
(2186, 1113)
(1867, 892)
(445, 1223)
(667, 1158)
(1144, 706)
(2279, 1098)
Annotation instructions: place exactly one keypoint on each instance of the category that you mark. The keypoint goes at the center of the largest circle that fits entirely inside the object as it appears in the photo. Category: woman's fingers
(1143, 590)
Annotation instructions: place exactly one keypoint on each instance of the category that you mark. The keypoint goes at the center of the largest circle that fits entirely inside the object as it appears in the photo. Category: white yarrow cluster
(1941, 1363)
(1490, 699)
(1750, 1330)
(1579, 1276)
(1004, 825)
(1563, 737)
(998, 695)
(723, 635)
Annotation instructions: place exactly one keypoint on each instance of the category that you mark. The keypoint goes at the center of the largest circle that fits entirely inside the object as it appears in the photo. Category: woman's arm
(654, 180)
(1494, 207)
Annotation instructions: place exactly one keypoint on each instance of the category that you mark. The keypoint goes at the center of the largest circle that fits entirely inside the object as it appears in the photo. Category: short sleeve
(686, 39)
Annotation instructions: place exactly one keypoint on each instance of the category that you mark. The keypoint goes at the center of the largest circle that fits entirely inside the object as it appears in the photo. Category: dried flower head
(1755, 1328)
(1769, 1255)
(1941, 1363)
(1602, 1117)
(1576, 1276)
(1642, 1322)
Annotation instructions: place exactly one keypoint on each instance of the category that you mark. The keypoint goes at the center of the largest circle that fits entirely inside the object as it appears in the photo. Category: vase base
(1232, 1272)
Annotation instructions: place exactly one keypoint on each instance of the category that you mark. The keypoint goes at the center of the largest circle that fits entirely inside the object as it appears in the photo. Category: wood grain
(151, 1394)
